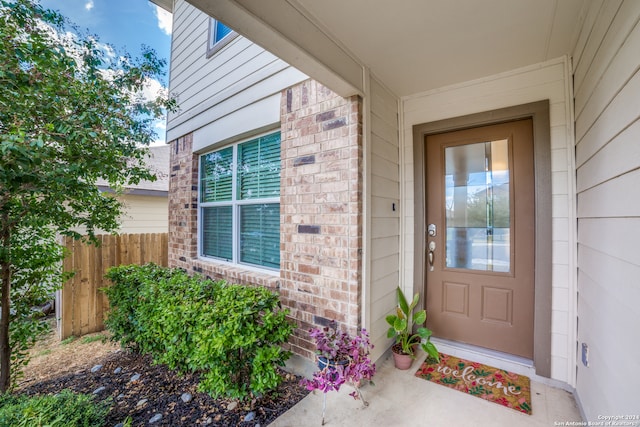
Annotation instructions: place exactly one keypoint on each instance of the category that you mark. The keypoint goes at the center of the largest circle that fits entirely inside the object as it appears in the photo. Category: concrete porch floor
(398, 398)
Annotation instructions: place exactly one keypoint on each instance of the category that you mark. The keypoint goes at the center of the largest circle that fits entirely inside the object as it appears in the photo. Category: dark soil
(162, 389)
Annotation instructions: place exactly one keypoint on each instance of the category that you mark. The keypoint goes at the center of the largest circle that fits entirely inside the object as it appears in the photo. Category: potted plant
(401, 327)
(342, 358)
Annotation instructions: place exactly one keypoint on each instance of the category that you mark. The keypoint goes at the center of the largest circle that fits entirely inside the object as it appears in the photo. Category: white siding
(607, 82)
(210, 89)
(385, 222)
(549, 80)
(144, 214)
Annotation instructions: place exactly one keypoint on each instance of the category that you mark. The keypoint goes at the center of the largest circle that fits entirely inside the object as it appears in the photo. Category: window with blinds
(239, 199)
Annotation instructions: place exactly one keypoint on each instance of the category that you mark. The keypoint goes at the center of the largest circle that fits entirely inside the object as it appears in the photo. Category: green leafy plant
(35, 277)
(231, 334)
(133, 289)
(402, 324)
(239, 342)
(72, 114)
(64, 409)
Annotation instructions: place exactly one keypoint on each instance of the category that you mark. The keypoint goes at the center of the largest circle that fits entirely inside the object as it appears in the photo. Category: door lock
(431, 230)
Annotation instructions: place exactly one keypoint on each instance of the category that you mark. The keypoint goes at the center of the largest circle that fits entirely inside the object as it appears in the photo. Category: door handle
(430, 256)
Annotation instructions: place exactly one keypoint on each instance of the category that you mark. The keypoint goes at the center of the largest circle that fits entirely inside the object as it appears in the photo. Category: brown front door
(480, 236)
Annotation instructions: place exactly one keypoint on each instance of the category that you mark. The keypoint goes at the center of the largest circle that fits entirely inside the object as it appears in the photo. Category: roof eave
(165, 4)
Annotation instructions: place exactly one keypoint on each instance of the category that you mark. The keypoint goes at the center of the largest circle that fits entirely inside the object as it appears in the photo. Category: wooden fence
(80, 305)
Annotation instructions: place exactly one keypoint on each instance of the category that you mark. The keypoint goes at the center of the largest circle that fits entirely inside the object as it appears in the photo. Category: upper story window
(219, 36)
(239, 203)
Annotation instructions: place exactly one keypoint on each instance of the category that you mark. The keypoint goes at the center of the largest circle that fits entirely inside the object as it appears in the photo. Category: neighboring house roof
(158, 162)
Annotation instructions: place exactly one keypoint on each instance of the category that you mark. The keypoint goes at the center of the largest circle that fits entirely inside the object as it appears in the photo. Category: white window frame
(235, 208)
(213, 46)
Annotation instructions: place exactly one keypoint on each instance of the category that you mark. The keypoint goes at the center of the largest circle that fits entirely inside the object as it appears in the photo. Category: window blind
(259, 168)
(260, 234)
(216, 176)
(217, 236)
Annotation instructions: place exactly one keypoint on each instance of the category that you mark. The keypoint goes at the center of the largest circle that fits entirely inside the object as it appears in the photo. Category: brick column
(183, 203)
(321, 209)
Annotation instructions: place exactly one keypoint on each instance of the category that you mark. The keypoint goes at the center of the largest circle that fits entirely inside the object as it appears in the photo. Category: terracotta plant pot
(402, 361)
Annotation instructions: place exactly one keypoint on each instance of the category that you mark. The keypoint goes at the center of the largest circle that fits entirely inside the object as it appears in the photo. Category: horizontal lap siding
(607, 82)
(145, 214)
(208, 88)
(385, 222)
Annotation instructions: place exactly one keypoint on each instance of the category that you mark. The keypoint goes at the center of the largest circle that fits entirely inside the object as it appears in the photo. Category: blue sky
(124, 24)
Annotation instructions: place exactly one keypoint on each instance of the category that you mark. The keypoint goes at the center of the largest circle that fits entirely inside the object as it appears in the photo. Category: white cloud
(152, 89)
(165, 20)
(160, 127)
(89, 5)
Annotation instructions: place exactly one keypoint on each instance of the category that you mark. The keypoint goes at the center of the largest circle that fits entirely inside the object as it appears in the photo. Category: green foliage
(68, 340)
(64, 409)
(230, 333)
(94, 338)
(71, 113)
(36, 257)
(402, 323)
(136, 293)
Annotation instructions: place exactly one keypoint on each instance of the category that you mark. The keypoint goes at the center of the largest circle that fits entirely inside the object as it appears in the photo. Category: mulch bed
(162, 389)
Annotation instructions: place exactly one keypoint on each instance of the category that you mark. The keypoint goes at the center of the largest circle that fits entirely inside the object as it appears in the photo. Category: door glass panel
(478, 217)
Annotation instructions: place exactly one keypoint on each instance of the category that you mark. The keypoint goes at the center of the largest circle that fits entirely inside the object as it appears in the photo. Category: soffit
(419, 45)
(411, 46)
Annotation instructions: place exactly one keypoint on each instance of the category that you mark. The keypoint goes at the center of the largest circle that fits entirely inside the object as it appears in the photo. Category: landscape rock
(155, 418)
(134, 378)
(186, 397)
(163, 389)
(250, 416)
(99, 390)
(117, 370)
(96, 369)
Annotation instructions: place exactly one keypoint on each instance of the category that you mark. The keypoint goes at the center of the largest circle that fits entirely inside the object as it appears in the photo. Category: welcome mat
(492, 384)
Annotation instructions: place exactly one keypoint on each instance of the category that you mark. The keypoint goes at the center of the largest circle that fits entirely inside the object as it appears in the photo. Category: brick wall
(183, 200)
(320, 207)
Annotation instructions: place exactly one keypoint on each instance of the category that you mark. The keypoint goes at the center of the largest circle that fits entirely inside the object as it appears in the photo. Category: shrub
(230, 333)
(241, 349)
(65, 409)
(125, 300)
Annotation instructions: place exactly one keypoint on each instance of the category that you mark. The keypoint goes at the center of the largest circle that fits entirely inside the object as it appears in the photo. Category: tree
(71, 112)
